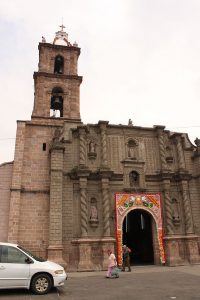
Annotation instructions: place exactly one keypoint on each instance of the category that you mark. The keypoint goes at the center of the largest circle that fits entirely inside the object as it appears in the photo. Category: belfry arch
(133, 213)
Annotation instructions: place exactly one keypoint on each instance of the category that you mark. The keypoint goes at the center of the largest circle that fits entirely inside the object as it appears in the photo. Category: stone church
(76, 190)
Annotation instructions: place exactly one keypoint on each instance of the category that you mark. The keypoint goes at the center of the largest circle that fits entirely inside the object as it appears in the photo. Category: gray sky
(140, 59)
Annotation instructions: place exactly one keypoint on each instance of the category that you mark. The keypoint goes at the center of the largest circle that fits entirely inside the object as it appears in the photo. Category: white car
(21, 269)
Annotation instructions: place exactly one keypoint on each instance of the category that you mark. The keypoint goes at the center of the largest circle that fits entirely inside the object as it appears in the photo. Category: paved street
(152, 283)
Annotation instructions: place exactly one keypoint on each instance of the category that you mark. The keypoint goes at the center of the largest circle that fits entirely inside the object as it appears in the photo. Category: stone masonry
(58, 195)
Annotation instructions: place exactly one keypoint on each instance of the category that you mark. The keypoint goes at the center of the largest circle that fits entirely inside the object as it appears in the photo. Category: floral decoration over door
(125, 202)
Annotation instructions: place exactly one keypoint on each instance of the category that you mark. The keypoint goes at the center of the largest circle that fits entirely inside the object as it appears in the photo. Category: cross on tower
(62, 27)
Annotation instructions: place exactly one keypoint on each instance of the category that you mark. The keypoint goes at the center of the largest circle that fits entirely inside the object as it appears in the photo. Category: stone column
(82, 158)
(55, 248)
(180, 152)
(187, 208)
(104, 159)
(196, 159)
(15, 196)
(162, 147)
(83, 207)
(106, 207)
(168, 207)
(171, 243)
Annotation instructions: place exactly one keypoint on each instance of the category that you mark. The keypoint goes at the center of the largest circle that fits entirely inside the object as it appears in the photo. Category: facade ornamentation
(68, 178)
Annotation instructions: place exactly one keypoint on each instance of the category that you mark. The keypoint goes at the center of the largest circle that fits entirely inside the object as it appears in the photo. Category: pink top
(111, 260)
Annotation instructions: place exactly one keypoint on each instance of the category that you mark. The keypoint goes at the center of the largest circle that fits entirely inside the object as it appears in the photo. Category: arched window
(59, 65)
(57, 102)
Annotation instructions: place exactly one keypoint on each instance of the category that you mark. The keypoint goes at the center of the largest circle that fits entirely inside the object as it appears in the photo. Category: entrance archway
(137, 235)
(150, 206)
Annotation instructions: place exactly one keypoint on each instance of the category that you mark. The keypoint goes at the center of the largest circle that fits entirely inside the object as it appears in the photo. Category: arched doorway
(134, 205)
(137, 235)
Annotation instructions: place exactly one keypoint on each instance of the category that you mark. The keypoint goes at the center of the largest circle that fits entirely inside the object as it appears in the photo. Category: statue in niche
(175, 212)
(93, 213)
(132, 149)
(92, 147)
(134, 179)
(131, 152)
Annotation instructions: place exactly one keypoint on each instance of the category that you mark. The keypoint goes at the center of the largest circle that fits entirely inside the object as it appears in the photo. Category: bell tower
(57, 83)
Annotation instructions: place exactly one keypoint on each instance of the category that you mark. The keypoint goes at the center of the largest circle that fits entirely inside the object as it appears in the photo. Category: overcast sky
(140, 59)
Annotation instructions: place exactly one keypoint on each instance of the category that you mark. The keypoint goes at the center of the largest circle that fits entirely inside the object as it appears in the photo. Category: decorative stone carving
(92, 154)
(168, 212)
(134, 179)
(93, 213)
(169, 154)
(175, 212)
(132, 144)
(197, 143)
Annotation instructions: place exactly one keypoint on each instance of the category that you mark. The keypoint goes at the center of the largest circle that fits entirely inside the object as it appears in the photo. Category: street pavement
(142, 283)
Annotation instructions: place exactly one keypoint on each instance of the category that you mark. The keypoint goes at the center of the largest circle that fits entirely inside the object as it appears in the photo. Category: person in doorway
(112, 263)
(126, 258)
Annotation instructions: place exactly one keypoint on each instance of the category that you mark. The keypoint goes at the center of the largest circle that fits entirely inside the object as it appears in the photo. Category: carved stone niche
(169, 157)
(132, 149)
(175, 212)
(92, 145)
(94, 220)
(134, 175)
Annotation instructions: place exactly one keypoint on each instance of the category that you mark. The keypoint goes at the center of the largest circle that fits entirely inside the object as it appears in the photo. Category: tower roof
(61, 37)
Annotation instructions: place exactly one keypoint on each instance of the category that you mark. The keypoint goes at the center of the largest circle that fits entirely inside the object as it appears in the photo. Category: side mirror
(28, 260)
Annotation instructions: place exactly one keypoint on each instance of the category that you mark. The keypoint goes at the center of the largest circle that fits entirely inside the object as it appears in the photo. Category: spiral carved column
(83, 206)
(82, 147)
(187, 209)
(104, 161)
(180, 154)
(106, 207)
(162, 151)
(168, 212)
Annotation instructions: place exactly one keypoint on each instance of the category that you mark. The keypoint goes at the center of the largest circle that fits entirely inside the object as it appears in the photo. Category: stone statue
(131, 152)
(133, 179)
(92, 147)
(130, 123)
(93, 213)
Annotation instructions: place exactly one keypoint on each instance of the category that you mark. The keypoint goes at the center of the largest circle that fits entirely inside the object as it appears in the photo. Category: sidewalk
(189, 269)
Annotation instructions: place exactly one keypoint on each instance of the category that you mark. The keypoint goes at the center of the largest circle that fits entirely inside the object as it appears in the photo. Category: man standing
(126, 258)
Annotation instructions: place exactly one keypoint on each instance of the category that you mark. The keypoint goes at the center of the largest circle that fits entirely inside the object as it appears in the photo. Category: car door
(14, 271)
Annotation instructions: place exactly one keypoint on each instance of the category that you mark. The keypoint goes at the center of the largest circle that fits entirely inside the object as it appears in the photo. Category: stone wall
(5, 184)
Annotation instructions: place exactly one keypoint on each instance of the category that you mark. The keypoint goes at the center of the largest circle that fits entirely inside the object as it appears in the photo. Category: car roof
(8, 244)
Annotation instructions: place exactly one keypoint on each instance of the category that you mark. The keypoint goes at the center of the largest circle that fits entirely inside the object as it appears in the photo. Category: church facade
(76, 190)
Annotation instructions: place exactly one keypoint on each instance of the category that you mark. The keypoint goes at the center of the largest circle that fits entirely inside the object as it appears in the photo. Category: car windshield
(32, 255)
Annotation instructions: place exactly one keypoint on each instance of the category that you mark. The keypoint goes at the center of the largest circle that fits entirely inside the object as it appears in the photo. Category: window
(59, 65)
(57, 102)
(10, 254)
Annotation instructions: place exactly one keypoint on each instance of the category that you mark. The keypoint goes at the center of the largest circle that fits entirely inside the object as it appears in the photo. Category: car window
(32, 255)
(12, 255)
